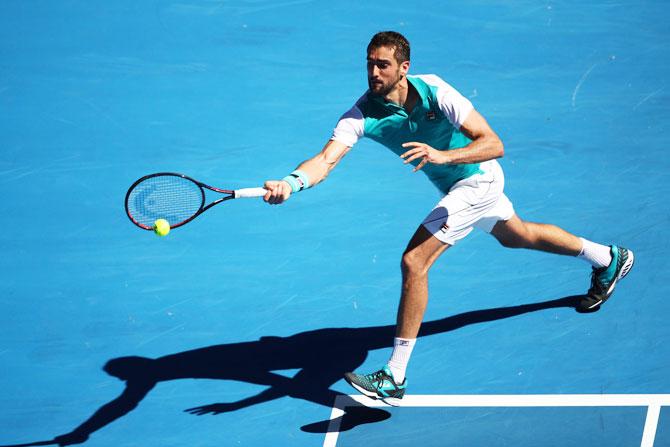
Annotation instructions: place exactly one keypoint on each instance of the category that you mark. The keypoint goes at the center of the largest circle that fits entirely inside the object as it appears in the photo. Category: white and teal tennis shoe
(604, 279)
(378, 385)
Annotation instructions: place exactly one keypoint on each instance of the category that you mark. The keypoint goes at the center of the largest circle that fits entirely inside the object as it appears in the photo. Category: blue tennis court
(237, 328)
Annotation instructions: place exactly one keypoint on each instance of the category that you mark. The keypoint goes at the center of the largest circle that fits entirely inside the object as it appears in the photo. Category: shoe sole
(392, 401)
(624, 271)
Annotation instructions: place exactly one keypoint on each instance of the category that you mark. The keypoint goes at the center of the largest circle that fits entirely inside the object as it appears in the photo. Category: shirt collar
(393, 107)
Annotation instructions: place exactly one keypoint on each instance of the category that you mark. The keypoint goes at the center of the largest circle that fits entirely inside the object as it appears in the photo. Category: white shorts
(477, 201)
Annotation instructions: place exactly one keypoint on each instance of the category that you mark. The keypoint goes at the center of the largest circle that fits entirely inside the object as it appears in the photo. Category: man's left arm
(485, 145)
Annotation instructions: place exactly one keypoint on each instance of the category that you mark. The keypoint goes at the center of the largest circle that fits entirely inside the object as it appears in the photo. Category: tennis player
(430, 125)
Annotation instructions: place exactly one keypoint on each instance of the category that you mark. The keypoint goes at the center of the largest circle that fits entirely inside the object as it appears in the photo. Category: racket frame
(202, 187)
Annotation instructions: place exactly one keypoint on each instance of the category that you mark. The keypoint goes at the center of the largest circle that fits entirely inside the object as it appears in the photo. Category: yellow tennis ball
(161, 227)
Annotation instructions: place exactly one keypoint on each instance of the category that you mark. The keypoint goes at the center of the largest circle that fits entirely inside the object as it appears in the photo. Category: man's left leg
(516, 233)
(610, 263)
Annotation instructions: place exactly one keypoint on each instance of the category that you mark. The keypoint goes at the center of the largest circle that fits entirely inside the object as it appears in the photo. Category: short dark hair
(392, 39)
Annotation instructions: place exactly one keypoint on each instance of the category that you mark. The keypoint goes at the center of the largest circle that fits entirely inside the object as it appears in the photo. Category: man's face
(384, 72)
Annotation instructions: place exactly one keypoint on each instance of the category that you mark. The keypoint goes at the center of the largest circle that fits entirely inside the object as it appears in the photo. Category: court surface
(236, 329)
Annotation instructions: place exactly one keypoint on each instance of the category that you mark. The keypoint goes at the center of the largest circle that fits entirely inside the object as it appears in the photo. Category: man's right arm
(316, 168)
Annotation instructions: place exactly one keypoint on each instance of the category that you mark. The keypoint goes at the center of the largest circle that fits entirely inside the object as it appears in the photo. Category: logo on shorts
(430, 115)
(444, 228)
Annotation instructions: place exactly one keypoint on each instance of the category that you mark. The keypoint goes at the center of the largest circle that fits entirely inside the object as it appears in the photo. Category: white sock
(595, 254)
(402, 350)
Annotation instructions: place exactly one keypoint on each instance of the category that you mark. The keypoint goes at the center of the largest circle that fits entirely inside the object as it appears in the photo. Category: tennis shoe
(378, 385)
(604, 279)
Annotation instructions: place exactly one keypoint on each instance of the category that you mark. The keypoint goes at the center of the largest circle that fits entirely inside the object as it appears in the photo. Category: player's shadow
(322, 356)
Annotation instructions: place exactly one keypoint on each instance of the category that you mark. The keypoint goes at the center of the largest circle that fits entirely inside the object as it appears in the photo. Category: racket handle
(249, 192)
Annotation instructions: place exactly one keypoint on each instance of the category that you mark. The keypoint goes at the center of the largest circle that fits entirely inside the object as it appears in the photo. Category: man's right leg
(389, 383)
(451, 220)
(421, 252)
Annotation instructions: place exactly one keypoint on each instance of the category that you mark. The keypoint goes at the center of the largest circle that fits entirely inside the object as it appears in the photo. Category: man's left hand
(424, 151)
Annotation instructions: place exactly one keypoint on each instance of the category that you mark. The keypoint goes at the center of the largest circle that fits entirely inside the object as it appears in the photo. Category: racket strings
(168, 197)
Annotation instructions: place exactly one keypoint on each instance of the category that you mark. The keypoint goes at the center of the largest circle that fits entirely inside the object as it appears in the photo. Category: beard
(382, 89)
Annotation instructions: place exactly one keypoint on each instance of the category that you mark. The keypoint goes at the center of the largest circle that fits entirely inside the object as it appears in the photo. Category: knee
(523, 238)
(514, 242)
(411, 264)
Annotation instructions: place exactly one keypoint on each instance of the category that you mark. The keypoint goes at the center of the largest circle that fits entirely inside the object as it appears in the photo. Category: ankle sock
(402, 350)
(595, 254)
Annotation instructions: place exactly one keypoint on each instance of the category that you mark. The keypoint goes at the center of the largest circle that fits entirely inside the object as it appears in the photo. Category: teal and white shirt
(435, 120)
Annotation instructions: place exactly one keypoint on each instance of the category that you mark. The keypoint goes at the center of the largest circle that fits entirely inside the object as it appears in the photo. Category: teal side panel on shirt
(390, 125)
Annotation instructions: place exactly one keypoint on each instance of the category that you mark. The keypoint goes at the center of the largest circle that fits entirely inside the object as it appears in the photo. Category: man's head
(388, 61)
(131, 368)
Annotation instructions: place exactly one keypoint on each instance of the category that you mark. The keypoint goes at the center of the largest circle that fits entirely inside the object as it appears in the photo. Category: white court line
(650, 426)
(653, 402)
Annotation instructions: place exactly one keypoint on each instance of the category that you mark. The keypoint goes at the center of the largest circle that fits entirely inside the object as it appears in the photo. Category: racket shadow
(322, 356)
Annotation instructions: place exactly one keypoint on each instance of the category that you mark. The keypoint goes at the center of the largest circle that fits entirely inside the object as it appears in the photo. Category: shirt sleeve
(350, 127)
(455, 106)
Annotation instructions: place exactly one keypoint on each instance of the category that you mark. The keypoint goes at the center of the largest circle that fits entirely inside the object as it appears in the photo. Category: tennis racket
(174, 197)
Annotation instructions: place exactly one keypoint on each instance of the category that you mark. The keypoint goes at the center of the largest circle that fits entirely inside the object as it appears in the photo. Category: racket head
(174, 197)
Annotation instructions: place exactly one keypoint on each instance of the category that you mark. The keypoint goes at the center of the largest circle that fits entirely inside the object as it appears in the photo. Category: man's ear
(404, 67)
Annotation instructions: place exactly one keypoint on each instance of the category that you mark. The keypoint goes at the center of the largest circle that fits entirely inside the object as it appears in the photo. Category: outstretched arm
(316, 168)
(126, 402)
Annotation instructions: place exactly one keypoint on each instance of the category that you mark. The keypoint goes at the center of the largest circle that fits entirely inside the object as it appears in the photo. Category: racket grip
(249, 192)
